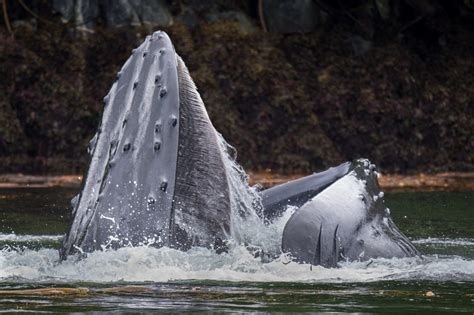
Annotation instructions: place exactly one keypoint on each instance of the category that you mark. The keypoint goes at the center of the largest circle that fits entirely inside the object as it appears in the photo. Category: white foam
(248, 226)
(28, 238)
(446, 241)
(140, 264)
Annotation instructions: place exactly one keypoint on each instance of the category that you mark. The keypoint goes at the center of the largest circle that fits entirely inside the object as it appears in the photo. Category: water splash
(140, 264)
(12, 237)
(445, 241)
(248, 226)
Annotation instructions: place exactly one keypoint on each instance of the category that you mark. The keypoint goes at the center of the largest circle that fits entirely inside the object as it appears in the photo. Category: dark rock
(294, 103)
(245, 25)
(65, 8)
(119, 13)
(360, 46)
(136, 12)
(83, 13)
(12, 138)
(288, 16)
(188, 17)
(30, 25)
(383, 7)
(194, 11)
(152, 11)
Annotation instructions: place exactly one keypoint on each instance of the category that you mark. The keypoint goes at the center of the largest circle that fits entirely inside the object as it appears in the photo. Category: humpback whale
(341, 215)
(158, 176)
(156, 172)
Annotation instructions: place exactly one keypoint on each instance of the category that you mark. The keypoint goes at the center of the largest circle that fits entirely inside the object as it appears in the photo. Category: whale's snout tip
(159, 35)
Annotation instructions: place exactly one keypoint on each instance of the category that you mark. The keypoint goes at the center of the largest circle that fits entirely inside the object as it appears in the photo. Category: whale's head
(346, 221)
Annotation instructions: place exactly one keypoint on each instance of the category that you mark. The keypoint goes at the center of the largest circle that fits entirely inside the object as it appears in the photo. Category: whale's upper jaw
(156, 162)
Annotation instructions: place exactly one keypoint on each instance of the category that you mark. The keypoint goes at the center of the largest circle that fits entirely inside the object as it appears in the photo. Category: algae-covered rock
(290, 103)
(83, 13)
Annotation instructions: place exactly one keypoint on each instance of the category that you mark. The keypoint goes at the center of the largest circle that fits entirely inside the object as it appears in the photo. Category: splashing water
(139, 264)
(247, 226)
(19, 262)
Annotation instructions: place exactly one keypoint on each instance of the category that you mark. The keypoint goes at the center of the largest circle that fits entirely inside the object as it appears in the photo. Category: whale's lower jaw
(201, 212)
(156, 163)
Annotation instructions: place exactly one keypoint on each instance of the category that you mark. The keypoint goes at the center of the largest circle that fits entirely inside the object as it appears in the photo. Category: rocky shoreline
(451, 181)
(290, 100)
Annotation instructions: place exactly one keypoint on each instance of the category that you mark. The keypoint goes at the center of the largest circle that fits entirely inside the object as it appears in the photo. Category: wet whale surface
(156, 162)
(158, 176)
(346, 221)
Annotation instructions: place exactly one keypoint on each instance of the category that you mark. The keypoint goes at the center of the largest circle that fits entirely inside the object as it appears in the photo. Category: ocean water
(33, 221)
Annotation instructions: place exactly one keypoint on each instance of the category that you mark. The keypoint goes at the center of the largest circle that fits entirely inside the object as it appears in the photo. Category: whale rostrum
(157, 176)
(156, 163)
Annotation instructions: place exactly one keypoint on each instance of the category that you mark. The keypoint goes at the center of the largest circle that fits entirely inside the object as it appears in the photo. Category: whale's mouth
(201, 208)
(160, 175)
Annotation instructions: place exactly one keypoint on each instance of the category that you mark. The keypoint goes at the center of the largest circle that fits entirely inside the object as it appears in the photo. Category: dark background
(295, 86)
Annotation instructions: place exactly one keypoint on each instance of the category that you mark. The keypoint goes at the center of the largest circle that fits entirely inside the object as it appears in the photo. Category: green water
(35, 211)
(440, 223)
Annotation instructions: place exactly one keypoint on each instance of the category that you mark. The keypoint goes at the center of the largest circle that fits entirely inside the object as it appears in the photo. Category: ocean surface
(146, 279)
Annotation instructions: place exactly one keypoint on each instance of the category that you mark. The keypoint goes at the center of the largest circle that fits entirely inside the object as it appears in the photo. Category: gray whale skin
(157, 175)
